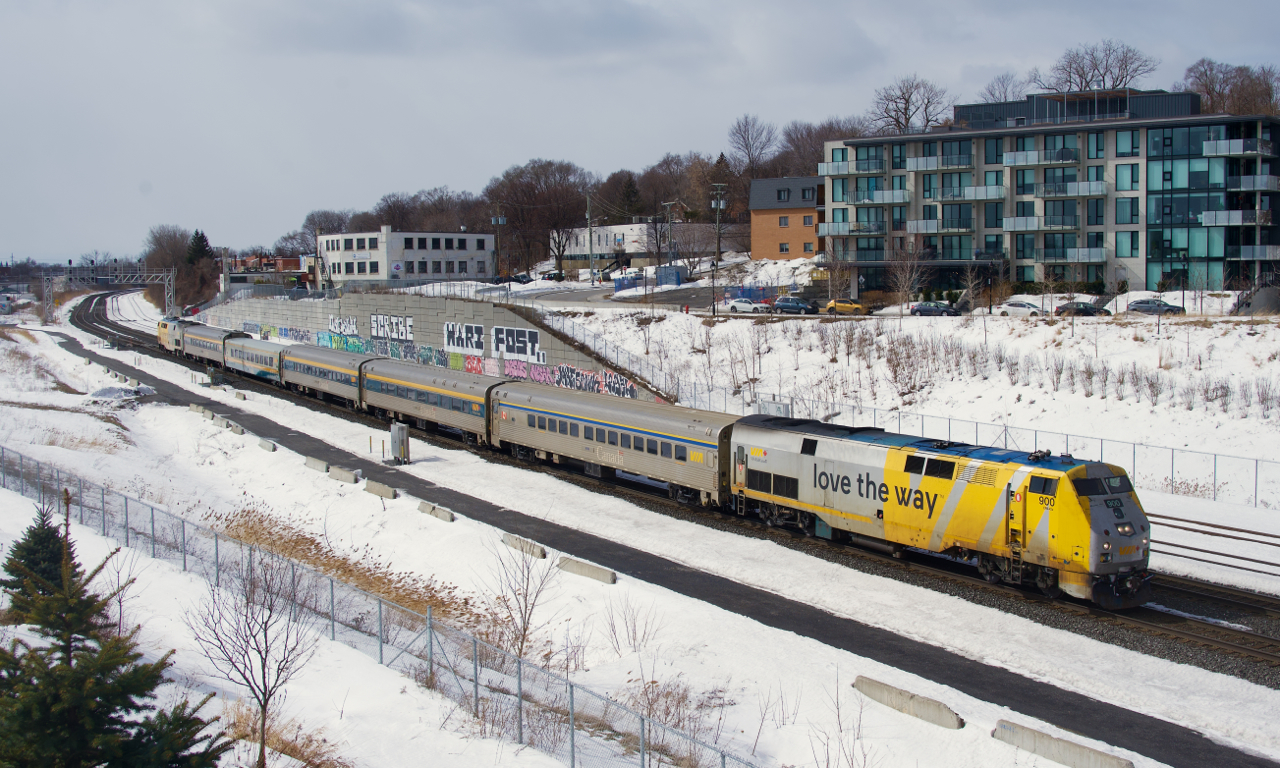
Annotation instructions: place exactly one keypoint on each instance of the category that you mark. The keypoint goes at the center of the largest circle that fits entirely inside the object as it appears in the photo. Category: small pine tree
(83, 698)
(38, 553)
(198, 248)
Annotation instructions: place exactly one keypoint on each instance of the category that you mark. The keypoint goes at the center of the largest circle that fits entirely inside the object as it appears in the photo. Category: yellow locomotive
(1054, 521)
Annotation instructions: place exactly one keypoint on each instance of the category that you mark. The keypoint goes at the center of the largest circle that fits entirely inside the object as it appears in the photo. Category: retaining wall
(452, 333)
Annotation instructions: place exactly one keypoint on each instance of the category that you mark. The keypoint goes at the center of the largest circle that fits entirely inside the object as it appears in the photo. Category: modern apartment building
(785, 216)
(387, 255)
(1107, 186)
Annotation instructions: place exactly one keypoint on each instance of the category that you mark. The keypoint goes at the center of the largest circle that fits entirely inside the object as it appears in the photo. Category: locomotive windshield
(1102, 486)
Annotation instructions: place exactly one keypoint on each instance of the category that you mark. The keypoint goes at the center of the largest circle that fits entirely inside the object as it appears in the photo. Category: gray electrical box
(399, 443)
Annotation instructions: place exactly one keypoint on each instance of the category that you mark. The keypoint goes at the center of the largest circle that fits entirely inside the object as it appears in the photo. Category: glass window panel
(1180, 168)
(588, 433)
(613, 437)
(666, 450)
(652, 447)
(1198, 243)
(626, 440)
(542, 422)
(1217, 242)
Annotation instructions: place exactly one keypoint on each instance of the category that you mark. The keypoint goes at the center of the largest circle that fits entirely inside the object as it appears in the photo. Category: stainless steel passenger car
(206, 342)
(441, 395)
(324, 371)
(256, 358)
(685, 448)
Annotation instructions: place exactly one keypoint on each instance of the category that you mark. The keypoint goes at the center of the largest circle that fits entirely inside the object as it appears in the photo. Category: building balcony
(846, 228)
(1040, 223)
(859, 255)
(1071, 255)
(1042, 157)
(1235, 218)
(1072, 189)
(851, 168)
(990, 192)
(936, 162)
(1254, 183)
(1254, 252)
(934, 226)
(881, 196)
(1239, 148)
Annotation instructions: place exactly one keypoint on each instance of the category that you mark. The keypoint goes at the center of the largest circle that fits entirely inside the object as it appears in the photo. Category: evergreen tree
(83, 698)
(38, 553)
(198, 248)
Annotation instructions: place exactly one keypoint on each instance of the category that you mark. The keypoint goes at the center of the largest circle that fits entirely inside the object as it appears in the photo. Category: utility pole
(591, 246)
(718, 202)
(498, 220)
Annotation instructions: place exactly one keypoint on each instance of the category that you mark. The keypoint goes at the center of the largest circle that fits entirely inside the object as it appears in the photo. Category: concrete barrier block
(929, 710)
(379, 489)
(343, 475)
(319, 465)
(132, 382)
(427, 507)
(87, 361)
(235, 428)
(196, 407)
(208, 414)
(524, 545)
(569, 565)
(267, 445)
(218, 421)
(105, 369)
(1058, 750)
(239, 395)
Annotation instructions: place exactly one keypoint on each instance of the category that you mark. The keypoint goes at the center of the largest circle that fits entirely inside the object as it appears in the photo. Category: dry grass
(366, 570)
(17, 360)
(285, 736)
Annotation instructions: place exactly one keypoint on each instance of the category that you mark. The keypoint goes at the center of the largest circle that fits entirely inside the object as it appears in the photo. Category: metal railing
(1042, 157)
(513, 699)
(1071, 189)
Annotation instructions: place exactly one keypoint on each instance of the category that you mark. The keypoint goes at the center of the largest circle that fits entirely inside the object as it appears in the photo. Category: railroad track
(92, 317)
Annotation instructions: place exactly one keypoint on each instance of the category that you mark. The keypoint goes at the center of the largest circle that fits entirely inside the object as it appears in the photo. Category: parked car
(1079, 309)
(844, 307)
(1156, 307)
(747, 305)
(934, 308)
(1017, 309)
(557, 277)
(793, 305)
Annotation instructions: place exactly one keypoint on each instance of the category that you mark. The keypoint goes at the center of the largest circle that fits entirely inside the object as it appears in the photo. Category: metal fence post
(1215, 477)
(126, 520)
(332, 618)
(80, 498)
(379, 630)
(571, 734)
(1172, 454)
(642, 725)
(1135, 459)
(39, 485)
(475, 673)
(4, 469)
(1255, 482)
(184, 545)
(104, 510)
(22, 477)
(217, 562)
(519, 700)
(153, 533)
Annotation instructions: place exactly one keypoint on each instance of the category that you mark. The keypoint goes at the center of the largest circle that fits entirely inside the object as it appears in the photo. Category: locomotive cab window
(809, 447)
(914, 464)
(1043, 486)
(1102, 486)
(939, 468)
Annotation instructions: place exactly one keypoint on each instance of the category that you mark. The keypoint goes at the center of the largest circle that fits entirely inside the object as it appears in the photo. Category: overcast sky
(239, 117)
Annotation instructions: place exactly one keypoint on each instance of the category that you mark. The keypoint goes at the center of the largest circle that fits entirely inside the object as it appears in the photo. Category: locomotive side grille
(982, 474)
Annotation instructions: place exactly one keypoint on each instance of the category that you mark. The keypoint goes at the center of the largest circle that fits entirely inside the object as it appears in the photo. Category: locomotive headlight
(1106, 545)
(1144, 541)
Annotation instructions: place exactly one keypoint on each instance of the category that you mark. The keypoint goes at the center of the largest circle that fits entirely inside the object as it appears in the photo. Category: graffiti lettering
(617, 385)
(399, 328)
(466, 339)
(343, 325)
(518, 344)
(515, 369)
(542, 375)
(474, 364)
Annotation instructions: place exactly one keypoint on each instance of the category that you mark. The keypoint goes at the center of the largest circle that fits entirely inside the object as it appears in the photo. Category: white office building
(388, 255)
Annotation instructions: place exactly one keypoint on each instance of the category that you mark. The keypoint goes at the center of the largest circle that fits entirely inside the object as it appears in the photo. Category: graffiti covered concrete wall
(449, 333)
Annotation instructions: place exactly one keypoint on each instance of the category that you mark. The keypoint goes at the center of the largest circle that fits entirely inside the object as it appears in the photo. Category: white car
(747, 305)
(1017, 309)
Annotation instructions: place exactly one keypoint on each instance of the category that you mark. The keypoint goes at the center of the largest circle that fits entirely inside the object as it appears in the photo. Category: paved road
(1157, 739)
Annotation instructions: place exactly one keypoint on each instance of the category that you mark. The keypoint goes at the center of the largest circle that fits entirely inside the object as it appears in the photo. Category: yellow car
(844, 307)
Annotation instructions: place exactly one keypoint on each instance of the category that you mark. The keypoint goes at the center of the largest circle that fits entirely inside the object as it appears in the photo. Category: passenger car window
(639, 443)
(588, 433)
(626, 440)
(682, 453)
(542, 422)
(573, 429)
(532, 421)
(564, 427)
(613, 437)
(653, 447)
(666, 450)
(599, 435)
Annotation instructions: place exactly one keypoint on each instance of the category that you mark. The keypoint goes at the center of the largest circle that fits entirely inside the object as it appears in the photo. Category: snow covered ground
(782, 686)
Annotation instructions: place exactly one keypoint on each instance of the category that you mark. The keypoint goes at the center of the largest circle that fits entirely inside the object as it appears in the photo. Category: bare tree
(1213, 81)
(907, 272)
(909, 104)
(803, 143)
(518, 584)
(752, 143)
(1108, 64)
(254, 633)
(1003, 87)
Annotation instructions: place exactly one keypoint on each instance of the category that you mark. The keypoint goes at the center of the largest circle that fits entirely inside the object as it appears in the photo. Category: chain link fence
(511, 698)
